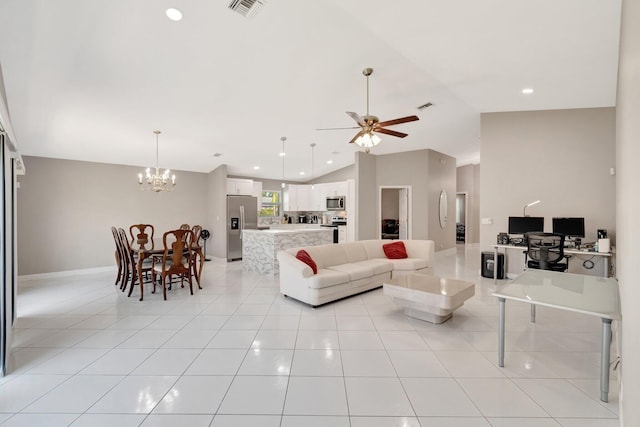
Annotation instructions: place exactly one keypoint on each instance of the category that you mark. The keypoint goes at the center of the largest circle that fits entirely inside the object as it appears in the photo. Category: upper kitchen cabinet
(297, 198)
(236, 186)
(337, 188)
(318, 197)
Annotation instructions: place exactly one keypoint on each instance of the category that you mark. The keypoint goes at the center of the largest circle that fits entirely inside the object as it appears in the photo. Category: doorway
(394, 212)
(461, 218)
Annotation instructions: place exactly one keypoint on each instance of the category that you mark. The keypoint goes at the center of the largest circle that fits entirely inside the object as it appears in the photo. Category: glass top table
(595, 296)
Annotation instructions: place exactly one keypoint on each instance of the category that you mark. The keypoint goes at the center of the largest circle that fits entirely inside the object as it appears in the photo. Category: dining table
(156, 249)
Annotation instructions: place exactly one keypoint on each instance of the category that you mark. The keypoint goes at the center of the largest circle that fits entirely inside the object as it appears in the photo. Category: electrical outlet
(487, 221)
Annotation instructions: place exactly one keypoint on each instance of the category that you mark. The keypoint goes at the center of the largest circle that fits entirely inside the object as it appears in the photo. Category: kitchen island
(260, 247)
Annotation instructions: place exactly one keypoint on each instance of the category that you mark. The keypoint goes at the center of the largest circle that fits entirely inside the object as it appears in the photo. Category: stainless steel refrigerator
(242, 214)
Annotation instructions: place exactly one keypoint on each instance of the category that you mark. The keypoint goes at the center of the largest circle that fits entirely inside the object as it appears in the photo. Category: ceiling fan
(369, 125)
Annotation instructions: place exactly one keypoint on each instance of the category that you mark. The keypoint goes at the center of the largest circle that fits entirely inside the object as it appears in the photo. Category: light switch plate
(487, 221)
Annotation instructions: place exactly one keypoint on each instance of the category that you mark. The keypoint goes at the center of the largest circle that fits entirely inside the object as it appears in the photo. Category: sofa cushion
(406, 264)
(379, 266)
(355, 270)
(395, 250)
(304, 256)
(326, 278)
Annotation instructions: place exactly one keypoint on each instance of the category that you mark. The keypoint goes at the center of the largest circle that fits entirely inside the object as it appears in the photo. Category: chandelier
(156, 182)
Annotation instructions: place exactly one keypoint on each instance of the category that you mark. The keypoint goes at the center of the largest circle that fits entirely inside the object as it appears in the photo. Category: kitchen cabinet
(236, 186)
(256, 191)
(342, 233)
(305, 198)
(317, 197)
(337, 189)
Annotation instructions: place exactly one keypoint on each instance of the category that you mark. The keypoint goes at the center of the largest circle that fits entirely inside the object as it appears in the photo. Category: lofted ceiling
(91, 80)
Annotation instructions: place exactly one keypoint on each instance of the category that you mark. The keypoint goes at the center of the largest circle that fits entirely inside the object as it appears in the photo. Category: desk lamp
(524, 211)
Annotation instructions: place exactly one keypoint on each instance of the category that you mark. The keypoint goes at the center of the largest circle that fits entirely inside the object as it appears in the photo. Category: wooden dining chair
(131, 263)
(197, 254)
(141, 236)
(175, 259)
(120, 262)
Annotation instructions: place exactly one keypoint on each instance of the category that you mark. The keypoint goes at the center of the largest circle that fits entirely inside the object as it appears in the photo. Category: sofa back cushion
(395, 250)
(355, 252)
(304, 256)
(327, 255)
(374, 248)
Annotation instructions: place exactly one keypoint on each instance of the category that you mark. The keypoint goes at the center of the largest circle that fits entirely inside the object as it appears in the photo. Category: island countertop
(286, 230)
(260, 247)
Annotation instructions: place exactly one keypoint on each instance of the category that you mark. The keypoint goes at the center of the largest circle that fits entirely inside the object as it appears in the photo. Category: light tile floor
(237, 353)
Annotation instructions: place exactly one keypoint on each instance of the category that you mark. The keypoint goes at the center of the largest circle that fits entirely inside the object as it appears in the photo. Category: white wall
(627, 179)
(66, 209)
(561, 157)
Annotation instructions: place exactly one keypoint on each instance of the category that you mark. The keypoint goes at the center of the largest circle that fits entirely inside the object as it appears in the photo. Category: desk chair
(545, 251)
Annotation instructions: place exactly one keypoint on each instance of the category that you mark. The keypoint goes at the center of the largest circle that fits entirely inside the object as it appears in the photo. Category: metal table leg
(501, 304)
(495, 265)
(533, 313)
(605, 359)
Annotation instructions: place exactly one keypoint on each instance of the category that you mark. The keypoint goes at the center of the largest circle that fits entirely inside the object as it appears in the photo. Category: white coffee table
(429, 298)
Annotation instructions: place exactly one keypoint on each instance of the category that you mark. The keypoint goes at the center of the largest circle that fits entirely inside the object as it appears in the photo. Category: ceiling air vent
(246, 8)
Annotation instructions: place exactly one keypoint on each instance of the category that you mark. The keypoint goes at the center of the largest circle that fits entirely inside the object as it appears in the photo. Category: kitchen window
(270, 206)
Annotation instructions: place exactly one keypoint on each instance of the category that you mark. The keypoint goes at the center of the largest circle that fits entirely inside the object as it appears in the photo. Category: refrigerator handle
(241, 220)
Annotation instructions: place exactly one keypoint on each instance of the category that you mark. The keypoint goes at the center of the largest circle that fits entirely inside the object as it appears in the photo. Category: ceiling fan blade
(356, 137)
(398, 121)
(390, 132)
(352, 127)
(356, 117)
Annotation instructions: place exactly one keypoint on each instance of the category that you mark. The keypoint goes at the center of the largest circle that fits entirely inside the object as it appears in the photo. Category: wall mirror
(443, 208)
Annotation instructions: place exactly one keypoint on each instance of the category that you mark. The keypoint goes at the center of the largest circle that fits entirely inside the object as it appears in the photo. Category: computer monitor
(525, 224)
(570, 227)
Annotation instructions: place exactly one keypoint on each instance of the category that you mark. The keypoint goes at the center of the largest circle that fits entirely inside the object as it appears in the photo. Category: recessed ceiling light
(329, 162)
(301, 173)
(283, 154)
(255, 168)
(527, 91)
(174, 14)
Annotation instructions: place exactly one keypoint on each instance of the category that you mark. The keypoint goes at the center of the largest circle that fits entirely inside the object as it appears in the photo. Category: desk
(590, 295)
(605, 256)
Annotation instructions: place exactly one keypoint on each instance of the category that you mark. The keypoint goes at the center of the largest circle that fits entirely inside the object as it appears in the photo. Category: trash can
(488, 265)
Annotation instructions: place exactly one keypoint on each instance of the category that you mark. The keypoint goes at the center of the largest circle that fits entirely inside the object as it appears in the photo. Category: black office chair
(545, 251)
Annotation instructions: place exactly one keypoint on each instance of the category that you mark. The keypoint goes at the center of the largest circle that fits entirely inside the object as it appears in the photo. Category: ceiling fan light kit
(370, 124)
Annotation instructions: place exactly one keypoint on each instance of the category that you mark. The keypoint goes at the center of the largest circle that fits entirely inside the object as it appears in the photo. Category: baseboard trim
(67, 273)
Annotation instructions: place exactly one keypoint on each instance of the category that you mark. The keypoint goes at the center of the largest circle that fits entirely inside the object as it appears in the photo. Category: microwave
(336, 203)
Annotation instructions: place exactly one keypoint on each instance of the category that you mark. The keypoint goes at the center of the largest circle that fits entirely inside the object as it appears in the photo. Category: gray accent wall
(427, 172)
(468, 181)
(217, 213)
(561, 157)
(336, 176)
(66, 209)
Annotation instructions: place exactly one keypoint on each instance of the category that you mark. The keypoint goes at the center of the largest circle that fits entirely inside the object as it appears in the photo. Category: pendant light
(282, 154)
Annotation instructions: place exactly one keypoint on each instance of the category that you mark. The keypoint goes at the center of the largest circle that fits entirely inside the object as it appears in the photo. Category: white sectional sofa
(347, 269)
